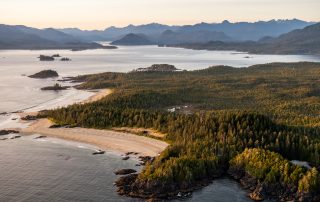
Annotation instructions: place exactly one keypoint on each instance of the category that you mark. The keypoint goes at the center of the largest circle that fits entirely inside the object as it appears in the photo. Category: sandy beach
(104, 139)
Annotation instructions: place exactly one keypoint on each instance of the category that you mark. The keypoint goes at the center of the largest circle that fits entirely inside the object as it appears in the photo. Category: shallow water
(36, 170)
(56, 170)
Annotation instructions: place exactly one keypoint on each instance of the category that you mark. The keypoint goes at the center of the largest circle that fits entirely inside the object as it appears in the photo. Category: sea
(53, 170)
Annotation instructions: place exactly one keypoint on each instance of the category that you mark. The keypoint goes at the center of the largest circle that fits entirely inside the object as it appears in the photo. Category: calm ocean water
(33, 170)
(19, 92)
(52, 170)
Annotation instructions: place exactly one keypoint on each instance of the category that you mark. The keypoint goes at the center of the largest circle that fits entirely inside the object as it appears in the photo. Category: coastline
(104, 139)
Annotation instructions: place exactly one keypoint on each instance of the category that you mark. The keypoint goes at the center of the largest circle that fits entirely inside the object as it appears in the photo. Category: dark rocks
(126, 180)
(65, 59)
(98, 152)
(62, 126)
(56, 87)
(145, 159)
(29, 118)
(125, 171)
(40, 137)
(131, 185)
(55, 126)
(46, 58)
(257, 195)
(262, 190)
(56, 56)
(125, 158)
(45, 74)
(7, 132)
(15, 137)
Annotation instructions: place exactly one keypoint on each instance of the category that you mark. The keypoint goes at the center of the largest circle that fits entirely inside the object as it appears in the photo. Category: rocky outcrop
(259, 191)
(56, 87)
(29, 118)
(15, 137)
(65, 59)
(145, 159)
(131, 185)
(46, 58)
(45, 74)
(40, 137)
(98, 152)
(125, 171)
(7, 132)
(125, 158)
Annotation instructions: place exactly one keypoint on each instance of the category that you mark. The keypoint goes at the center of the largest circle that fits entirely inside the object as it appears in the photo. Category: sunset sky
(99, 14)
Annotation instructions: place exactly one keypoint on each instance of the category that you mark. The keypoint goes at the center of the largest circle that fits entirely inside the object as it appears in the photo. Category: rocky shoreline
(7, 132)
(131, 185)
(259, 191)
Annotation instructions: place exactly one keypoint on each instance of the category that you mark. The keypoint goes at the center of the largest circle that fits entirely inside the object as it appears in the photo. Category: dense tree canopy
(220, 111)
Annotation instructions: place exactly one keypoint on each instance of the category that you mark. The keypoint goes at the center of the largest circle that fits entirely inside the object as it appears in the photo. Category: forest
(219, 113)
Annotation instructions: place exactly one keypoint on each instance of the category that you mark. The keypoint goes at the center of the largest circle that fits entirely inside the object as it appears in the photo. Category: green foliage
(270, 167)
(267, 166)
(310, 181)
(224, 118)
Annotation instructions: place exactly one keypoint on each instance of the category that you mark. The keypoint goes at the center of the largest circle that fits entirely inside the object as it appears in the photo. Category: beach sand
(104, 139)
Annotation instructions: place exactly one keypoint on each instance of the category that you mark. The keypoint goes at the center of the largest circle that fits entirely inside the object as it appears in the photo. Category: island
(245, 123)
(56, 87)
(157, 68)
(45, 74)
(133, 40)
(46, 58)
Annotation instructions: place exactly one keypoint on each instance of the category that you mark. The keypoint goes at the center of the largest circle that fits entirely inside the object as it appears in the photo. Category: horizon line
(142, 24)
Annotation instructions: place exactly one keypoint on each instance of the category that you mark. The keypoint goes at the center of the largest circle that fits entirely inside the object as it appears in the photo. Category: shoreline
(121, 142)
(104, 139)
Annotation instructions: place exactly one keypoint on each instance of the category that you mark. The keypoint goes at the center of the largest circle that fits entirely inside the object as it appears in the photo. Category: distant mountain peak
(225, 22)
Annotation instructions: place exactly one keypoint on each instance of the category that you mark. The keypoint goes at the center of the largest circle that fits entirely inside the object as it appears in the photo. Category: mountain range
(224, 35)
(239, 31)
(299, 41)
(22, 37)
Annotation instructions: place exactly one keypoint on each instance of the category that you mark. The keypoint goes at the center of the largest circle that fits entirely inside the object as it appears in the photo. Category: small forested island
(133, 40)
(249, 123)
(45, 74)
(56, 87)
(157, 68)
(46, 58)
(52, 58)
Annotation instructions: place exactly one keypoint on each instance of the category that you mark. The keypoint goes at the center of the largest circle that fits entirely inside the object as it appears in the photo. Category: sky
(99, 14)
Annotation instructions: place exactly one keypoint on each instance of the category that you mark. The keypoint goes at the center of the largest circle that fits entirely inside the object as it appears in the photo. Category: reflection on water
(221, 190)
